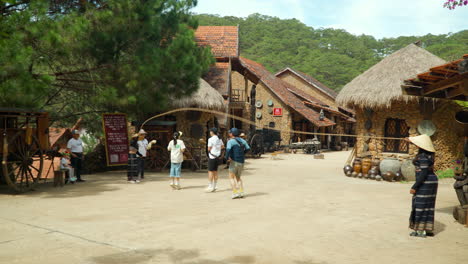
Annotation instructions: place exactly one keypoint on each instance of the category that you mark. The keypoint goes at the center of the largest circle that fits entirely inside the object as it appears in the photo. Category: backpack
(242, 146)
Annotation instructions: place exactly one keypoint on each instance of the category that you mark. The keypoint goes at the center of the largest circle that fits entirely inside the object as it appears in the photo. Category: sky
(379, 18)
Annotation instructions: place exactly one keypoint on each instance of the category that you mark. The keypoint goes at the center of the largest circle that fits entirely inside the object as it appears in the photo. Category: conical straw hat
(423, 141)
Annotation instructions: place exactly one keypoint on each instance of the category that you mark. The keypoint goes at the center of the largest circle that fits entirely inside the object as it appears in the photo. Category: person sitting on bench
(65, 166)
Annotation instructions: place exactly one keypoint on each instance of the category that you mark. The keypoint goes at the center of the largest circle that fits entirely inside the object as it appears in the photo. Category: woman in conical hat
(424, 190)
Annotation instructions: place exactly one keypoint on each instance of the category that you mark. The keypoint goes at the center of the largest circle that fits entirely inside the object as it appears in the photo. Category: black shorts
(212, 164)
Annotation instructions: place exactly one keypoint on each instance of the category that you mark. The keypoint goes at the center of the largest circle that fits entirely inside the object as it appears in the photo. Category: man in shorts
(235, 153)
(215, 146)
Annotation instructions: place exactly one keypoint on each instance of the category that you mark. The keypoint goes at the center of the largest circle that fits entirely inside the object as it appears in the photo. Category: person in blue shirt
(235, 153)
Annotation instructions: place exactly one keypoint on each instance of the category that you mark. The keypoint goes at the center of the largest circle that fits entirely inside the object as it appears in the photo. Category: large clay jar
(408, 170)
(390, 164)
(366, 166)
(357, 165)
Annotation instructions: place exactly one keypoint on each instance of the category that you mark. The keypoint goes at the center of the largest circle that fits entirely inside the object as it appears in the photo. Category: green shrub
(442, 174)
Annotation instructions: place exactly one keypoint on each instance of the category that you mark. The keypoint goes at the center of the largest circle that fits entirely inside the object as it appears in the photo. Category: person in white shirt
(65, 165)
(215, 146)
(142, 146)
(75, 147)
(177, 148)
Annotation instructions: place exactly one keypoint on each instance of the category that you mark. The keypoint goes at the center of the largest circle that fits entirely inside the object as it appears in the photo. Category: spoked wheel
(24, 163)
(310, 149)
(256, 145)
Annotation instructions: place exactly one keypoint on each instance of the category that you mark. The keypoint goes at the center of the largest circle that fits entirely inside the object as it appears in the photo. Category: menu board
(116, 136)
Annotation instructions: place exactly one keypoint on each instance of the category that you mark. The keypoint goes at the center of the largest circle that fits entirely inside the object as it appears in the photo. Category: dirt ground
(298, 210)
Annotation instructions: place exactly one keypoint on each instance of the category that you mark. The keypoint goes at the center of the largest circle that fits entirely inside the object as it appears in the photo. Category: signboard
(277, 111)
(116, 138)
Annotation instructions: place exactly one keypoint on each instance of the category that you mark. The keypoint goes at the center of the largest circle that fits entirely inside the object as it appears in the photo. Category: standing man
(235, 153)
(215, 145)
(142, 144)
(75, 147)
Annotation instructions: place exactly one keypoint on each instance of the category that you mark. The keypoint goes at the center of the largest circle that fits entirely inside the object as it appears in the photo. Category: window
(396, 128)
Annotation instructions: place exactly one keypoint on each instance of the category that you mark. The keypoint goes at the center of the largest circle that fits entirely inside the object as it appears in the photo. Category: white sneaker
(173, 186)
(209, 188)
(131, 181)
(137, 181)
(235, 196)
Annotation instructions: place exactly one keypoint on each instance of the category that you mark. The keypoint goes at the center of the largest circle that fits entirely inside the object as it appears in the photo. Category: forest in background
(333, 56)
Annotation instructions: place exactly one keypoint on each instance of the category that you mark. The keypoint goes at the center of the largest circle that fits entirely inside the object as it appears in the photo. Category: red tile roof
(217, 77)
(223, 40)
(280, 89)
(312, 81)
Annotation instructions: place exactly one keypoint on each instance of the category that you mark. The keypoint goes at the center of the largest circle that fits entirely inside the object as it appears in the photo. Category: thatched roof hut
(205, 97)
(381, 84)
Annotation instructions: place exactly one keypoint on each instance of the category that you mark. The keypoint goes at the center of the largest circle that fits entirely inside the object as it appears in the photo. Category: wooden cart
(24, 141)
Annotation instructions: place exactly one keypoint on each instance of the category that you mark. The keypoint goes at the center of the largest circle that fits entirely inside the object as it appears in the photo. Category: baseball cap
(234, 131)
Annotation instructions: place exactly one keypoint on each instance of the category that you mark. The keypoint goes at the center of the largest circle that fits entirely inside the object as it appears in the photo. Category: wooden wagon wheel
(24, 163)
(256, 145)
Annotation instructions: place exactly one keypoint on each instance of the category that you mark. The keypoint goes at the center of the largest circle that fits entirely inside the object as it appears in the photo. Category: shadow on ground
(439, 227)
(446, 210)
(107, 182)
(190, 256)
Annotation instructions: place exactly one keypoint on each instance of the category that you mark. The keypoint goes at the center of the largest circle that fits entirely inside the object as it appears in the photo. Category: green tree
(333, 56)
(82, 57)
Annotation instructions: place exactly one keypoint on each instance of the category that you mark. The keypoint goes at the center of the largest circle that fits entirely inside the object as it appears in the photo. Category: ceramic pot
(357, 165)
(378, 178)
(408, 170)
(375, 163)
(373, 172)
(347, 169)
(398, 176)
(388, 176)
(366, 166)
(349, 173)
(354, 174)
(360, 175)
(390, 164)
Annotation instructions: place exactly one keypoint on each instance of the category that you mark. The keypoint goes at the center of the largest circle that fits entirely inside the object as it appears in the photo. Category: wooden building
(252, 92)
(383, 110)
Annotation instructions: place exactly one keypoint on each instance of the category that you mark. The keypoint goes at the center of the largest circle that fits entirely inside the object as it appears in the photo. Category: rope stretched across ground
(254, 124)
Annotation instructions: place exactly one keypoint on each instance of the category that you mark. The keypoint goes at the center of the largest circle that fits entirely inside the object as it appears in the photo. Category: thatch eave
(205, 97)
(380, 86)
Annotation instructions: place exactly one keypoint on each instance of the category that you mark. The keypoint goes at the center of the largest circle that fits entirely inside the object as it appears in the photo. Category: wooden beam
(454, 92)
(441, 85)
(464, 86)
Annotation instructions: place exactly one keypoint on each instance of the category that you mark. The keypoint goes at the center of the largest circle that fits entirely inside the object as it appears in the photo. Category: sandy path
(298, 210)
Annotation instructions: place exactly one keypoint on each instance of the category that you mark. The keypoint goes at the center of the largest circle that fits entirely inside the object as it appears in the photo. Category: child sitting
(65, 165)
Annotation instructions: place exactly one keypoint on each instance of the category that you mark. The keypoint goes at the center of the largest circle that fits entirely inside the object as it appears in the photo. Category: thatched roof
(205, 97)
(380, 85)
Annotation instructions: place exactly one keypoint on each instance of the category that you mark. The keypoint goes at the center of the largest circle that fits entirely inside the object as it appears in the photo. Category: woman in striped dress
(424, 190)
